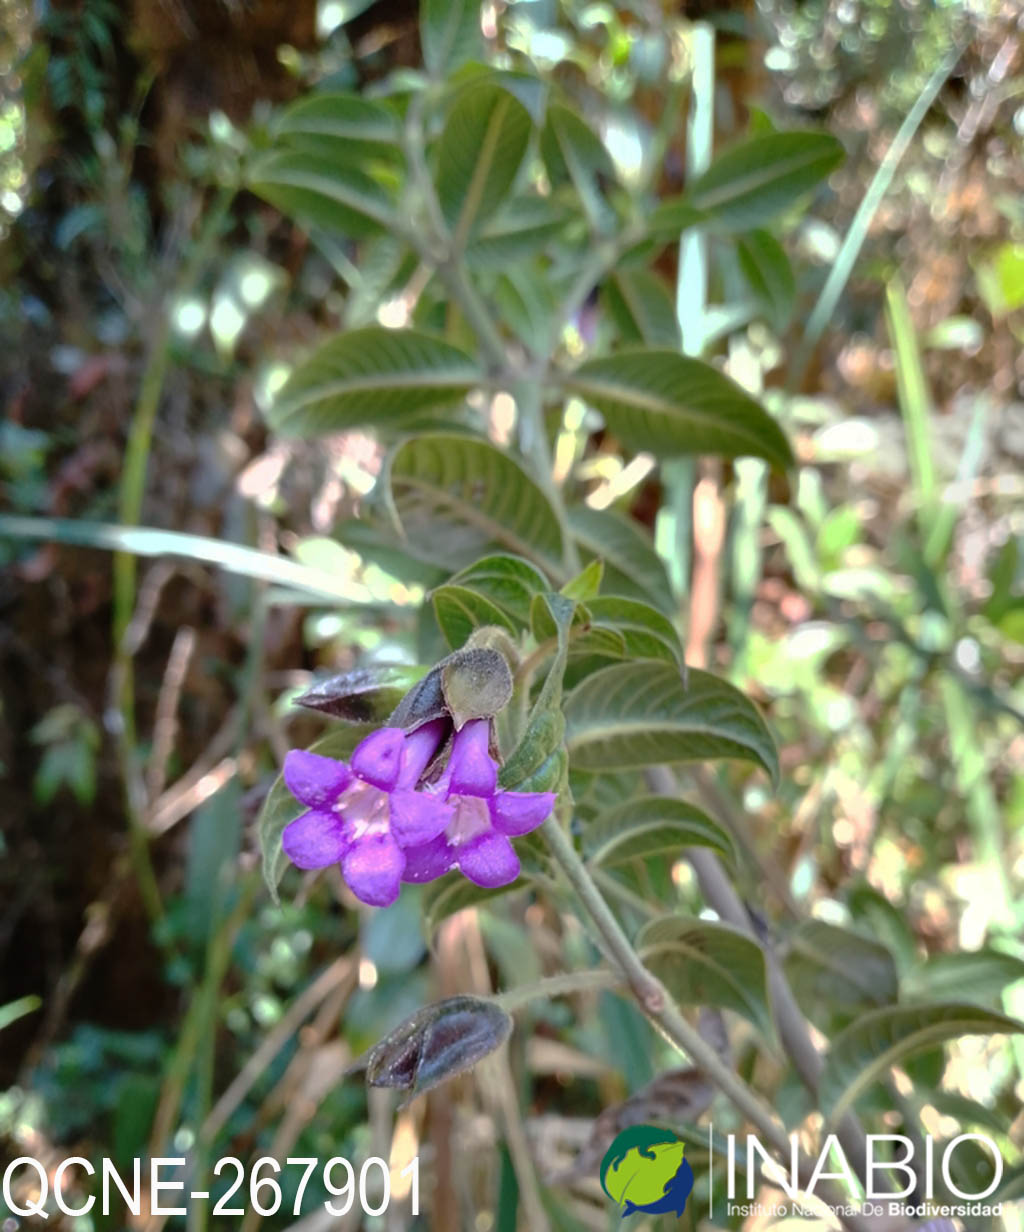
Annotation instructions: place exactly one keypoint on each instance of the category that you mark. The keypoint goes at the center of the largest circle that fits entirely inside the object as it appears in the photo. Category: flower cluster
(375, 816)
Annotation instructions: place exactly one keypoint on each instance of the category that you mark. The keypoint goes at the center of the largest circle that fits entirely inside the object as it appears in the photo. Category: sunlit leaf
(479, 155)
(749, 184)
(371, 377)
(457, 498)
(449, 34)
(673, 405)
(319, 192)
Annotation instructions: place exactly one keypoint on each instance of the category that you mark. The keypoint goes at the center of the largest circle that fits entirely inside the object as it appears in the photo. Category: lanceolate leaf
(280, 807)
(371, 377)
(639, 714)
(320, 192)
(632, 567)
(653, 826)
(642, 308)
(449, 34)
(671, 405)
(457, 497)
(766, 268)
(865, 1051)
(346, 127)
(754, 181)
(481, 149)
(708, 965)
(522, 227)
(574, 154)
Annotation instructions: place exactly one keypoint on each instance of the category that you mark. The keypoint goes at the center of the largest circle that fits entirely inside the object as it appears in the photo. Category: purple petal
(420, 747)
(378, 758)
(473, 771)
(314, 840)
(519, 812)
(316, 781)
(489, 860)
(373, 867)
(428, 861)
(417, 817)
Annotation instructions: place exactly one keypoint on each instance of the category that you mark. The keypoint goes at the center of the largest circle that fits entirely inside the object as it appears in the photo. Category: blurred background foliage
(156, 999)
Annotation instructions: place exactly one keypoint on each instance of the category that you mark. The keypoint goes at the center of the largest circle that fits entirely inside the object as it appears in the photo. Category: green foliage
(491, 420)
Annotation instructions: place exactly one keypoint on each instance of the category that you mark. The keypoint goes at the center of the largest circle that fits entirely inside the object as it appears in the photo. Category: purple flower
(476, 839)
(363, 814)
(371, 817)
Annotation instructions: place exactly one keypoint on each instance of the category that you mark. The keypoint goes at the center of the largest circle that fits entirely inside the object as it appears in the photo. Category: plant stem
(659, 1007)
(558, 986)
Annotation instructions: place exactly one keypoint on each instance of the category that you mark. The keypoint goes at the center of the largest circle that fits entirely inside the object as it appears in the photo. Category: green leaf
(458, 497)
(319, 192)
(835, 972)
(977, 975)
(526, 302)
(671, 405)
(708, 965)
(754, 181)
(632, 567)
(642, 308)
(479, 155)
(573, 153)
(670, 218)
(459, 610)
(644, 632)
(371, 377)
(641, 714)
(653, 826)
(520, 229)
(345, 127)
(280, 807)
(449, 34)
(586, 584)
(539, 762)
(867, 1049)
(767, 269)
(509, 582)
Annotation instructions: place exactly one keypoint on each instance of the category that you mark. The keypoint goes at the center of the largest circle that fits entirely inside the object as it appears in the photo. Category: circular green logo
(644, 1170)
